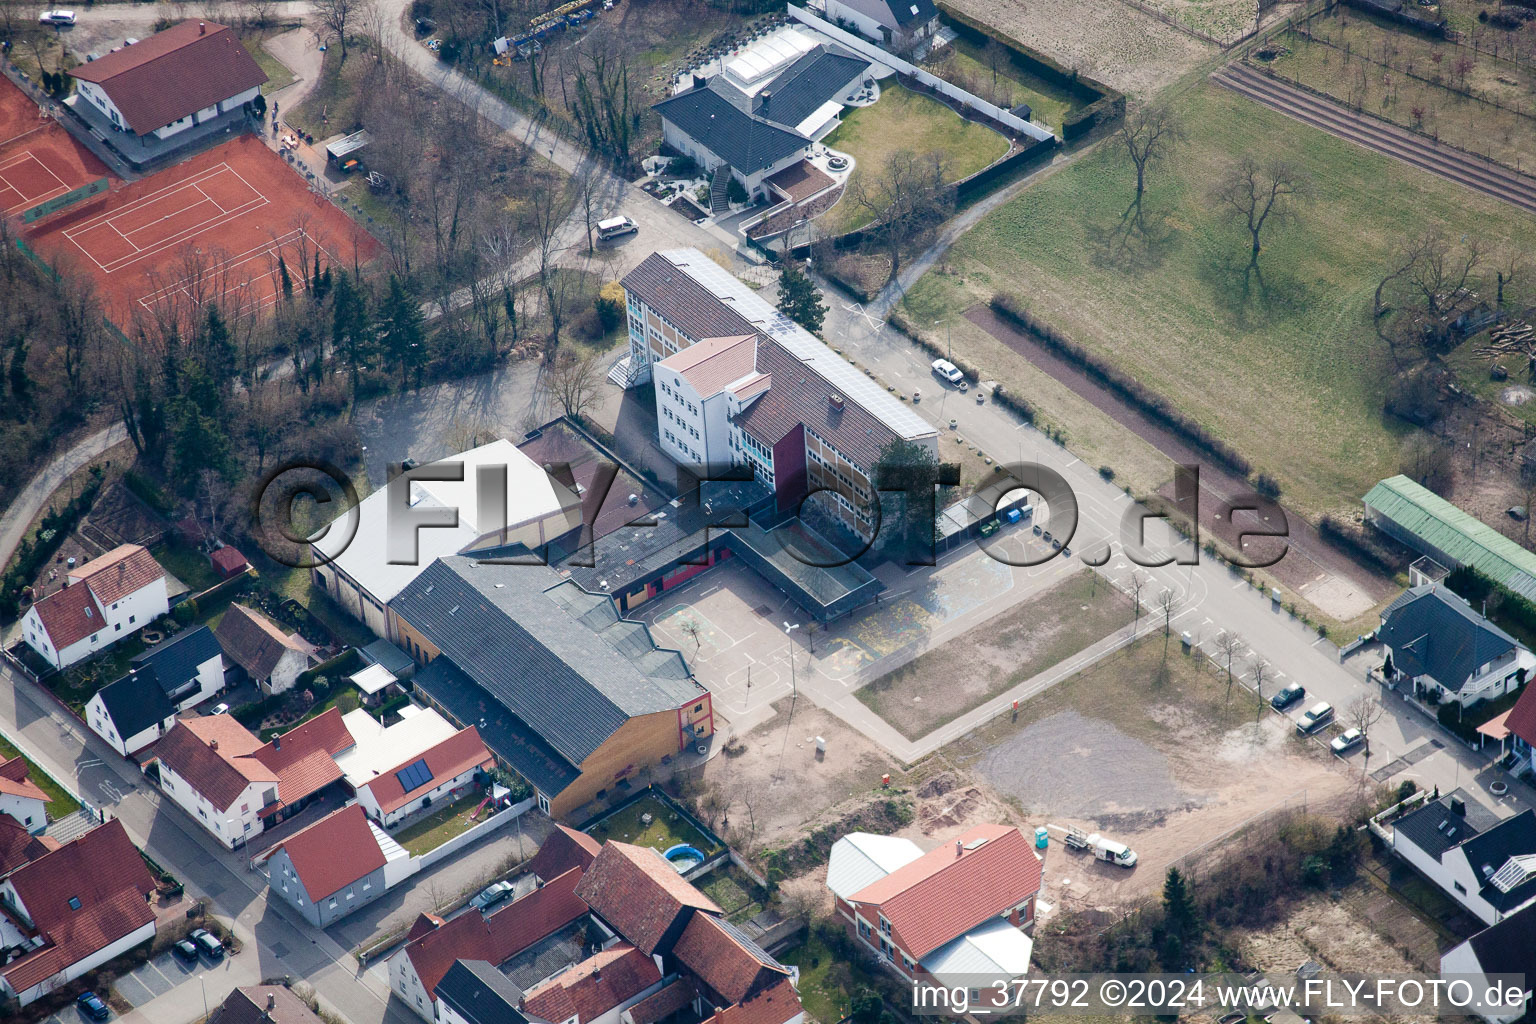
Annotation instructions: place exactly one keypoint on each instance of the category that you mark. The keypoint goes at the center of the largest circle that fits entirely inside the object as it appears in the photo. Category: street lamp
(201, 984)
(794, 691)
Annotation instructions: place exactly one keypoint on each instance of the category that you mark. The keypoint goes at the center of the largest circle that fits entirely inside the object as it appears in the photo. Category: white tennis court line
(26, 201)
(271, 248)
(29, 131)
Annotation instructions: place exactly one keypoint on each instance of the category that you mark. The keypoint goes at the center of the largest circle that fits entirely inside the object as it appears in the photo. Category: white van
(613, 227)
(56, 18)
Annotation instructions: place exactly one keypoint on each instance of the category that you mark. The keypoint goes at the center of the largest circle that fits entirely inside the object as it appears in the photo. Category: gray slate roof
(1435, 828)
(1433, 632)
(717, 115)
(481, 994)
(570, 683)
(1512, 837)
(1508, 947)
(176, 660)
(896, 13)
(136, 701)
(818, 76)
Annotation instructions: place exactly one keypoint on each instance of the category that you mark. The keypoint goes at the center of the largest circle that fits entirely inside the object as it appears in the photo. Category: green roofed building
(1421, 519)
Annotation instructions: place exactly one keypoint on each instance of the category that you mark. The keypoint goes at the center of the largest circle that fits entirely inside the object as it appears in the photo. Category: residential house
(596, 990)
(1485, 864)
(101, 602)
(672, 998)
(639, 893)
(331, 868)
(20, 846)
(1521, 723)
(263, 1004)
(20, 797)
(441, 773)
(1414, 515)
(186, 75)
(727, 966)
(131, 713)
(563, 849)
(762, 114)
(475, 992)
(272, 658)
(189, 666)
(898, 25)
(495, 502)
(433, 944)
(1447, 651)
(785, 405)
(777, 1005)
(958, 911)
(235, 785)
(559, 685)
(1508, 947)
(72, 910)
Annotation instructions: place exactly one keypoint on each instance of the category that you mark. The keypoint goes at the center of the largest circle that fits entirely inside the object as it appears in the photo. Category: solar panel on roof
(414, 775)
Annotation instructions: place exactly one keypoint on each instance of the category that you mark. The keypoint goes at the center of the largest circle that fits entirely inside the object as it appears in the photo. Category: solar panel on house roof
(414, 775)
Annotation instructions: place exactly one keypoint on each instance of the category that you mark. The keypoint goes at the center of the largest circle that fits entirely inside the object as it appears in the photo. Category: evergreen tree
(200, 443)
(283, 276)
(350, 328)
(799, 299)
(218, 349)
(21, 383)
(314, 284)
(915, 486)
(401, 329)
(1181, 920)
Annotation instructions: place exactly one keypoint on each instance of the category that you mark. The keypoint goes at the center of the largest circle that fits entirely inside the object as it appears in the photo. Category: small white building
(1508, 947)
(161, 86)
(1489, 867)
(272, 658)
(131, 713)
(1449, 652)
(101, 602)
(475, 992)
(698, 391)
(22, 798)
(189, 667)
(897, 25)
(420, 760)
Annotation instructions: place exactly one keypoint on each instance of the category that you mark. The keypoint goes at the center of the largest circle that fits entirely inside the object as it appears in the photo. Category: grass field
(1294, 377)
(1472, 367)
(903, 119)
(666, 829)
(278, 75)
(951, 679)
(440, 826)
(1049, 104)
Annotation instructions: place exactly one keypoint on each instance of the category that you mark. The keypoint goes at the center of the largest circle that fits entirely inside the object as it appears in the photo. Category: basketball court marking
(149, 214)
(8, 177)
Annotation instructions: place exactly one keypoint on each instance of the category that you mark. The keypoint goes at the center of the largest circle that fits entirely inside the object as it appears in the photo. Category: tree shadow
(1251, 293)
(1138, 241)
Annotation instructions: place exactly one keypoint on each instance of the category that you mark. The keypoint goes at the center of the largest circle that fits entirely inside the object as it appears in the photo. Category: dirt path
(1324, 575)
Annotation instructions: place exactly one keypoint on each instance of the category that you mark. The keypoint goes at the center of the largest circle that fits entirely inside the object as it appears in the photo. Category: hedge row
(1357, 544)
(1133, 391)
(32, 554)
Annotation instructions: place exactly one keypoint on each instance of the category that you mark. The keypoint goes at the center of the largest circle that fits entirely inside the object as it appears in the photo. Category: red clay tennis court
(213, 225)
(38, 158)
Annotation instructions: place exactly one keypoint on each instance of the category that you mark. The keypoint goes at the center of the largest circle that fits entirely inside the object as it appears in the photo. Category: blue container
(1042, 838)
(1014, 515)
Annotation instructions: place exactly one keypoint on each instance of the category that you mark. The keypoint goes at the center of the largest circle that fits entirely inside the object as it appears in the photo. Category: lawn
(1293, 375)
(186, 563)
(278, 75)
(666, 829)
(1049, 104)
(1473, 366)
(741, 898)
(440, 826)
(60, 803)
(903, 119)
(951, 679)
(77, 684)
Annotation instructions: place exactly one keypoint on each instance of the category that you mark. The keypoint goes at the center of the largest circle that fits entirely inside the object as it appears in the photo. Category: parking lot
(140, 985)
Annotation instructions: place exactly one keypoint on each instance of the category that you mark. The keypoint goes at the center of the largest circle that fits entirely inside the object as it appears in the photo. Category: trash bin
(1042, 838)
(1014, 515)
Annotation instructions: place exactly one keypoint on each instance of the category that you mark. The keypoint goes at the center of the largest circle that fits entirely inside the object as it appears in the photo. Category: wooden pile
(1514, 336)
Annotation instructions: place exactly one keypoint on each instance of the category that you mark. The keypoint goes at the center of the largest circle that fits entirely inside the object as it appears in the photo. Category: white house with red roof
(1521, 723)
(73, 909)
(234, 785)
(165, 84)
(959, 911)
(333, 867)
(699, 390)
(421, 760)
(22, 798)
(101, 602)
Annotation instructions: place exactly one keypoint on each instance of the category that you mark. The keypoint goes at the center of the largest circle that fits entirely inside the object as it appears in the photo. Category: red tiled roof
(213, 754)
(714, 362)
(228, 560)
(334, 852)
(942, 894)
(252, 640)
(639, 893)
(721, 961)
(661, 1004)
(173, 73)
(249, 1006)
(124, 570)
(18, 846)
(424, 923)
(1522, 717)
(564, 848)
(15, 781)
(103, 871)
(459, 753)
(593, 987)
(303, 758)
(494, 939)
(69, 616)
(773, 1006)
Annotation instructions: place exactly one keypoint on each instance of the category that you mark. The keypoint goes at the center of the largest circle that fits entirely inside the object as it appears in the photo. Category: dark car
(91, 1005)
(185, 951)
(1286, 697)
(205, 941)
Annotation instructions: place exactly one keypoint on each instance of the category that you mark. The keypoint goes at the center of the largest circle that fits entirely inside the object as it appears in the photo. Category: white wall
(1463, 960)
(404, 983)
(98, 98)
(689, 146)
(119, 620)
(102, 725)
(30, 812)
(210, 680)
(242, 814)
(289, 666)
(436, 794)
(90, 963)
(239, 98)
(865, 25)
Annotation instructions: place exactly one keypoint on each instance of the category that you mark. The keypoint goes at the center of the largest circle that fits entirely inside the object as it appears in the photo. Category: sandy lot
(1150, 756)
(1106, 39)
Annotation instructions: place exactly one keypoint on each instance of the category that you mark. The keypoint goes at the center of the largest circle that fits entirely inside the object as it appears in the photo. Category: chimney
(958, 848)
(277, 743)
(271, 1001)
(699, 81)
(836, 402)
(213, 744)
(1458, 807)
(597, 973)
(202, 28)
(766, 94)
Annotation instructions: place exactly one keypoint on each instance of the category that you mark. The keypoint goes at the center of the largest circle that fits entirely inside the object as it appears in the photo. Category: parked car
(207, 943)
(1315, 717)
(491, 895)
(91, 1005)
(1347, 741)
(220, 709)
(56, 18)
(185, 951)
(613, 227)
(946, 370)
(1288, 696)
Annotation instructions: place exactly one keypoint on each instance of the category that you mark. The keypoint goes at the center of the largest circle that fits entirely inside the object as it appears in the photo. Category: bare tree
(1150, 133)
(469, 432)
(904, 200)
(1259, 194)
(574, 381)
(1229, 644)
(1363, 713)
(693, 631)
(589, 199)
(1167, 601)
(1426, 459)
(1136, 584)
(1260, 669)
(342, 15)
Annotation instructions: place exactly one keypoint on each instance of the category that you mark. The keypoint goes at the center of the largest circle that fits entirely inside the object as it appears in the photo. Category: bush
(143, 488)
(610, 306)
(185, 612)
(735, 191)
(1107, 472)
(1267, 486)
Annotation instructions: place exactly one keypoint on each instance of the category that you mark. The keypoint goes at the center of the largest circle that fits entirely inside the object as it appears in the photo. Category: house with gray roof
(189, 666)
(561, 687)
(1484, 863)
(897, 25)
(1448, 651)
(1508, 947)
(131, 713)
(474, 992)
